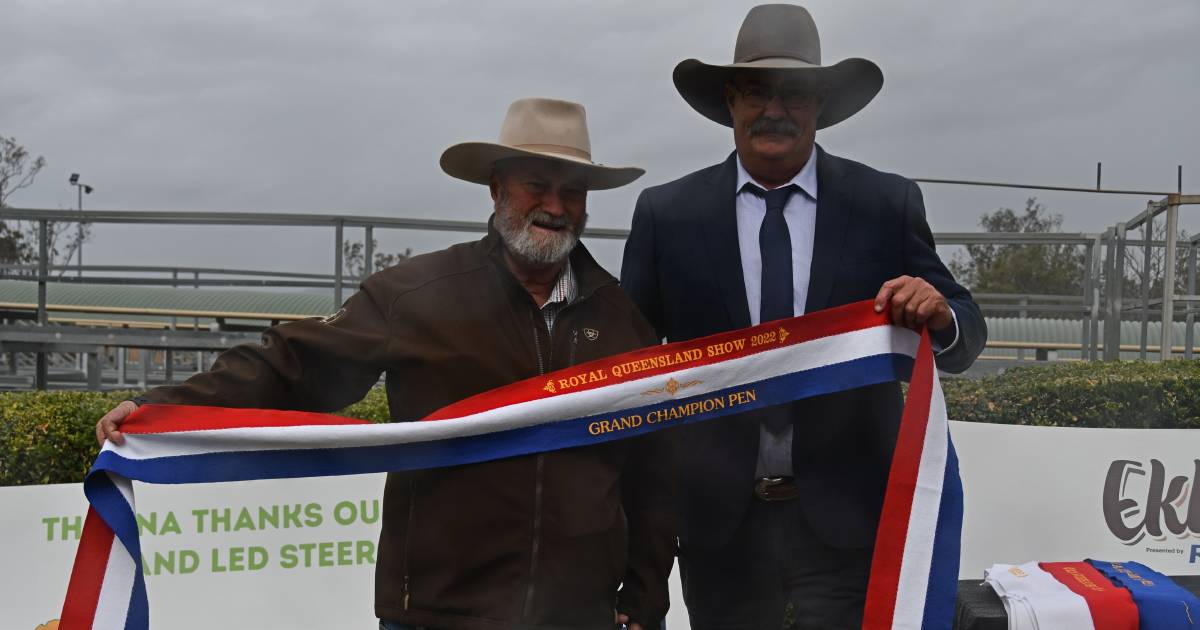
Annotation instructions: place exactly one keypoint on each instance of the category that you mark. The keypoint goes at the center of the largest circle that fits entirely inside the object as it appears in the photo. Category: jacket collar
(833, 217)
(716, 207)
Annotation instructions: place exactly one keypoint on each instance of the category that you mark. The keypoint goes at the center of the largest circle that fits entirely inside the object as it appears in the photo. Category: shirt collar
(566, 288)
(806, 179)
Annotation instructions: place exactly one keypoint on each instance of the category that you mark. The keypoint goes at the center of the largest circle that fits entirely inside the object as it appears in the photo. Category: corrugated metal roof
(1045, 330)
(205, 299)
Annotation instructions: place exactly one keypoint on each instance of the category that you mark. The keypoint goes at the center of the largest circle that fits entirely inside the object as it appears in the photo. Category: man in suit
(781, 505)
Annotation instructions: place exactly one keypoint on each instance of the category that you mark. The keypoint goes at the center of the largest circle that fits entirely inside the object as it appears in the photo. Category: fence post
(1189, 335)
(369, 252)
(1085, 336)
(169, 355)
(1094, 275)
(337, 264)
(42, 370)
(1023, 314)
(1168, 299)
(1147, 234)
(1112, 324)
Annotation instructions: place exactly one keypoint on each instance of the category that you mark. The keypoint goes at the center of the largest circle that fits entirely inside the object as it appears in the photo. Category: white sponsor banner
(300, 553)
(289, 553)
(1065, 494)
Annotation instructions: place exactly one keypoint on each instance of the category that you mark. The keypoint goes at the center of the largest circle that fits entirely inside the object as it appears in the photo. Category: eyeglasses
(792, 97)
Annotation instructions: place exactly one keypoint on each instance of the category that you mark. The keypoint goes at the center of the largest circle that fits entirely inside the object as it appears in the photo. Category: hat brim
(852, 84)
(474, 162)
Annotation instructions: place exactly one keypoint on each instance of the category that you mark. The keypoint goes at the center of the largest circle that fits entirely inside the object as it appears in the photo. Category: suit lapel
(721, 235)
(833, 215)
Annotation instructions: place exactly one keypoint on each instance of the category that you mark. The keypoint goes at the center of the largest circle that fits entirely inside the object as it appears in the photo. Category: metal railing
(1101, 298)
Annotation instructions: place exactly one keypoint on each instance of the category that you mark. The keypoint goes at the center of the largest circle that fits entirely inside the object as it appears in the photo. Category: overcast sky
(330, 107)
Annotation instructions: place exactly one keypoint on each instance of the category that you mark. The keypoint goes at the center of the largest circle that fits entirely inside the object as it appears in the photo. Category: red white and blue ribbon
(915, 566)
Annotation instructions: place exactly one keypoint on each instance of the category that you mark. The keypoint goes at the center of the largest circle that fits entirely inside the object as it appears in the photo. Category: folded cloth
(1111, 606)
(1162, 604)
(1038, 600)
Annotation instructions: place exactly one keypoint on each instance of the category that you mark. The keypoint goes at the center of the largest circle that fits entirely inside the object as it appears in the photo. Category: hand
(623, 620)
(109, 426)
(914, 303)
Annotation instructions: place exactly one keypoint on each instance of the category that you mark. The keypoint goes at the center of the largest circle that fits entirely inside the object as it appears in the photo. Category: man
(540, 541)
(781, 506)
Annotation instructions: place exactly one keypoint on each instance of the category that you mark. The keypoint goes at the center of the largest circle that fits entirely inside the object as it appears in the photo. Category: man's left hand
(623, 621)
(914, 303)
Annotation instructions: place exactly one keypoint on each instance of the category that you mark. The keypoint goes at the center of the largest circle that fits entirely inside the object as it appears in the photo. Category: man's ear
(494, 186)
(730, 94)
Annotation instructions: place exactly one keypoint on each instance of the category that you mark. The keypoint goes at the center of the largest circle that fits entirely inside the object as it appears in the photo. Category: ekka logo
(1140, 503)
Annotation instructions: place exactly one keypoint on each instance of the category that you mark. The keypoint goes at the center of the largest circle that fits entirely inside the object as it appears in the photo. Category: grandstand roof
(167, 298)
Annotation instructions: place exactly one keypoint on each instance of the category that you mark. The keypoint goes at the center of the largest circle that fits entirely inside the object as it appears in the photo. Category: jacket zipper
(574, 344)
(412, 508)
(537, 484)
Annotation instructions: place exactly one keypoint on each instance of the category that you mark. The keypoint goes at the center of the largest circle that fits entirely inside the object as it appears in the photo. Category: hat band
(555, 148)
(773, 56)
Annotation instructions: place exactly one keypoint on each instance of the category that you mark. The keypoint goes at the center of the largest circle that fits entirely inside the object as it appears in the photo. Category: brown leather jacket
(539, 541)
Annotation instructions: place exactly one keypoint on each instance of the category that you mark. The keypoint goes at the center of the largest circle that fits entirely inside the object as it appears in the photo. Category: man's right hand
(109, 427)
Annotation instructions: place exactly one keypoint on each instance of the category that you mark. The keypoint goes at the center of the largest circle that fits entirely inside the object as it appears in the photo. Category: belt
(776, 489)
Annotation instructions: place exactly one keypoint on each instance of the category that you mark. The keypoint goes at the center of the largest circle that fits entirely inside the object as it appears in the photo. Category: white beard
(540, 250)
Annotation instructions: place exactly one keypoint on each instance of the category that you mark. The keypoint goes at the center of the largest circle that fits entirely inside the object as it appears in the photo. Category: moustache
(779, 126)
(546, 219)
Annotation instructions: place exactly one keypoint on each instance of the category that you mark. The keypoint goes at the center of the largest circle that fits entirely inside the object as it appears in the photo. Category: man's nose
(775, 108)
(552, 203)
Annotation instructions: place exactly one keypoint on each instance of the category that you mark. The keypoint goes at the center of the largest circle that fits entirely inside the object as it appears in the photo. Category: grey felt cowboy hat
(780, 37)
(540, 128)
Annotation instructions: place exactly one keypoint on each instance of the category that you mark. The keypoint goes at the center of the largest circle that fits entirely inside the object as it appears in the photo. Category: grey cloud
(345, 107)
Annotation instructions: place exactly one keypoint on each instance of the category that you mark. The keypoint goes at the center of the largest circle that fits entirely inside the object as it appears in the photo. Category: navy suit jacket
(682, 266)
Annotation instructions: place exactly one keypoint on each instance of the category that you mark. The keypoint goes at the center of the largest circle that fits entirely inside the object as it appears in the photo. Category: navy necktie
(775, 246)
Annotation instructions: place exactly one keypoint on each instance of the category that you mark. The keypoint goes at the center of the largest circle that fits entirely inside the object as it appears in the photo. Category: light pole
(80, 189)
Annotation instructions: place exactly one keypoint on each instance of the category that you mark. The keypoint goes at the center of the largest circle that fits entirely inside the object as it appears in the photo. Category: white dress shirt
(800, 213)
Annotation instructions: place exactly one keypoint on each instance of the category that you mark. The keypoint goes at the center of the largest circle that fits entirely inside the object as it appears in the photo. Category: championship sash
(1111, 606)
(914, 570)
(1162, 604)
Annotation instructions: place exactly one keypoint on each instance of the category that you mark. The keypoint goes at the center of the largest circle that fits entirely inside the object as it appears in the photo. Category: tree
(19, 239)
(17, 171)
(1050, 269)
(1135, 261)
(354, 258)
(1035, 269)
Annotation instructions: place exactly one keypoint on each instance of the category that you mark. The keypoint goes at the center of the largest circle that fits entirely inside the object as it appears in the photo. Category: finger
(926, 309)
(106, 429)
(899, 305)
(886, 290)
(881, 298)
(622, 619)
(109, 425)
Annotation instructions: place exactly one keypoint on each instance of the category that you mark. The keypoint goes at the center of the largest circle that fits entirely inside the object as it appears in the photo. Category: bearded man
(577, 538)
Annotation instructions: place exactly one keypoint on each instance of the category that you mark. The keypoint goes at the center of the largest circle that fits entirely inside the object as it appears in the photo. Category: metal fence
(1107, 255)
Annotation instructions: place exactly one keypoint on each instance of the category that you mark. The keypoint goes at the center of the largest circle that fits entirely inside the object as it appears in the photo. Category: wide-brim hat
(540, 128)
(781, 37)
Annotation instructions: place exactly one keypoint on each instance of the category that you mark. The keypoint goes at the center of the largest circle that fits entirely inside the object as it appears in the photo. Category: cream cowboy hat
(541, 128)
(780, 37)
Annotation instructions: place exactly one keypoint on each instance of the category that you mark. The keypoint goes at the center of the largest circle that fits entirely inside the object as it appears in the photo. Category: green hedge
(1131, 395)
(49, 437)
